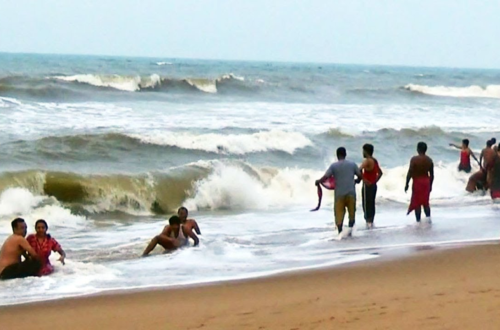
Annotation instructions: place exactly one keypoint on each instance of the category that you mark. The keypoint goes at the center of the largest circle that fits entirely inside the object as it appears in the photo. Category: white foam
(163, 63)
(20, 202)
(490, 91)
(235, 144)
(124, 83)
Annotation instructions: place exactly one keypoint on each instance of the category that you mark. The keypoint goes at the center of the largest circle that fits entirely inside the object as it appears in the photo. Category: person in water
(421, 171)
(43, 244)
(372, 173)
(343, 172)
(495, 178)
(479, 180)
(13, 248)
(465, 154)
(173, 236)
(190, 224)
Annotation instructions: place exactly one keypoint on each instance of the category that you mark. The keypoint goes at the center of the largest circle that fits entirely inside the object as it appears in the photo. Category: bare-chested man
(190, 224)
(482, 177)
(421, 171)
(173, 236)
(13, 248)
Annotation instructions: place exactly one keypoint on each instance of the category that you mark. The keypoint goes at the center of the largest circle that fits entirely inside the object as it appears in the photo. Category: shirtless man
(173, 236)
(495, 179)
(421, 171)
(486, 160)
(190, 224)
(13, 248)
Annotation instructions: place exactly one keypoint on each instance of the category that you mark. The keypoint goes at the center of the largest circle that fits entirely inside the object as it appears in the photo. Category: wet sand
(434, 289)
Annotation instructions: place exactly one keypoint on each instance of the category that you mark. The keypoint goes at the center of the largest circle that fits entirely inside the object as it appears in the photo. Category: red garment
(495, 194)
(328, 184)
(44, 249)
(421, 191)
(465, 158)
(372, 176)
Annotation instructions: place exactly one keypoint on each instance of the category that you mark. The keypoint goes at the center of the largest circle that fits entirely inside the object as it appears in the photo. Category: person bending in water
(479, 180)
(13, 248)
(421, 171)
(173, 236)
(345, 193)
(44, 244)
(371, 175)
(190, 224)
(465, 154)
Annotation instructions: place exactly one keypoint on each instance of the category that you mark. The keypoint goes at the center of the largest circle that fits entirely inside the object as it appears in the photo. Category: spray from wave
(491, 91)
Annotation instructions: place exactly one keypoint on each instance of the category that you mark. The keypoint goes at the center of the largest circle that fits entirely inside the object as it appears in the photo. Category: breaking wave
(490, 91)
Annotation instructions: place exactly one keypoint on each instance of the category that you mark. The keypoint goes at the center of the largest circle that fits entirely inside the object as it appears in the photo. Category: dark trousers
(29, 267)
(369, 193)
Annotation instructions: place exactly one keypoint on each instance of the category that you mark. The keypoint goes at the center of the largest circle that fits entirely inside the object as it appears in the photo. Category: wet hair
(493, 141)
(465, 142)
(368, 148)
(16, 222)
(42, 221)
(174, 220)
(422, 147)
(489, 143)
(341, 152)
(182, 208)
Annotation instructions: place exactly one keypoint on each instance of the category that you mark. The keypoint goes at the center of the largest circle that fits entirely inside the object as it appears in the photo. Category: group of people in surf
(37, 248)
(488, 175)
(341, 176)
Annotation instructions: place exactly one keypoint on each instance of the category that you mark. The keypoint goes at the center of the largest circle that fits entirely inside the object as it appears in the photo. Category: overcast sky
(451, 33)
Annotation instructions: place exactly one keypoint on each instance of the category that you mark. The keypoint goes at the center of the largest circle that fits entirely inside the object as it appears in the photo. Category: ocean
(105, 149)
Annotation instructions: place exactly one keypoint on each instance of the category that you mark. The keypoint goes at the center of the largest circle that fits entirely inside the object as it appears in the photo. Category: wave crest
(490, 91)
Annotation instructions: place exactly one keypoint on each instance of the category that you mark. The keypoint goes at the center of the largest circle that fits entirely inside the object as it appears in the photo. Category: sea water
(105, 149)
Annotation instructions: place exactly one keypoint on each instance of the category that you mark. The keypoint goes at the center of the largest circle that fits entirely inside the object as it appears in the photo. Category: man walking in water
(421, 171)
(345, 193)
(10, 255)
(371, 175)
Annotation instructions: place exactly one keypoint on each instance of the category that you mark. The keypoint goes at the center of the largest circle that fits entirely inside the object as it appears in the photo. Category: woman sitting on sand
(44, 244)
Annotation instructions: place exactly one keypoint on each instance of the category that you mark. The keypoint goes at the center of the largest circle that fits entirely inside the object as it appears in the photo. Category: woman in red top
(44, 244)
(465, 154)
(371, 175)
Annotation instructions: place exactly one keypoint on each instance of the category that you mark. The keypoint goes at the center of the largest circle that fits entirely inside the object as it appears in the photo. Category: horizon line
(253, 60)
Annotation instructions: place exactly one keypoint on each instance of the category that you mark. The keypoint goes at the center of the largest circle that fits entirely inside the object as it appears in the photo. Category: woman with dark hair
(44, 244)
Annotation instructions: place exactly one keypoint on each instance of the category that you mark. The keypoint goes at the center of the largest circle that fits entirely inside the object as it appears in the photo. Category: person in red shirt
(44, 244)
(371, 174)
(465, 154)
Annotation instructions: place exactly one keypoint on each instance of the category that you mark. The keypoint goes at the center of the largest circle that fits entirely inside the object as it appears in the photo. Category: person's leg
(29, 267)
(418, 213)
(427, 211)
(363, 201)
(371, 192)
(351, 209)
(339, 206)
(168, 243)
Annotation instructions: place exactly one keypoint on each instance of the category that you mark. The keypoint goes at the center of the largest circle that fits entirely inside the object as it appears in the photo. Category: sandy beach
(434, 289)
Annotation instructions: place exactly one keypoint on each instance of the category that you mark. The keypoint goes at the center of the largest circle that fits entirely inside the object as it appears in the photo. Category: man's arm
(166, 230)
(481, 157)
(455, 146)
(409, 175)
(193, 237)
(431, 173)
(328, 173)
(23, 243)
(357, 172)
(196, 228)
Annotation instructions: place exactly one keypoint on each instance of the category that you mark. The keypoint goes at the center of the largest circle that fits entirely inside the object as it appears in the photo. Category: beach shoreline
(436, 288)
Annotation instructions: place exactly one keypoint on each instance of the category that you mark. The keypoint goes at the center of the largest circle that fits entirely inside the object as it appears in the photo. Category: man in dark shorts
(421, 171)
(13, 248)
(372, 173)
(345, 193)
